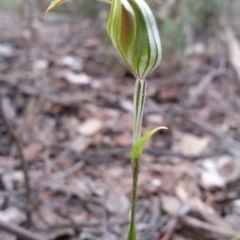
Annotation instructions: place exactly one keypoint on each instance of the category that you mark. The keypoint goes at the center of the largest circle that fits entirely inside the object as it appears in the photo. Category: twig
(232, 144)
(226, 197)
(89, 158)
(48, 182)
(20, 232)
(172, 224)
(163, 152)
(210, 227)
(155, 219)
(62, 175)
(199, 89)
(223, 102)
(101, 156)
(22, 159)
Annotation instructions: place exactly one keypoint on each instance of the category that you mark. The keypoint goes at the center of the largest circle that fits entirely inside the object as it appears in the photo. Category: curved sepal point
(54, 4)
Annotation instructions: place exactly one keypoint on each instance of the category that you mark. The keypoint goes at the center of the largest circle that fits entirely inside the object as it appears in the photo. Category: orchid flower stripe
(133, 30)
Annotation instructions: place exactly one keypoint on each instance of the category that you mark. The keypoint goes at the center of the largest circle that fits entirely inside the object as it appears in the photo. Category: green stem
(139, 100)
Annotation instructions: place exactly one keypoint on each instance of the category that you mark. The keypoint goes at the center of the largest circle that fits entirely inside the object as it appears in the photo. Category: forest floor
(67, 99)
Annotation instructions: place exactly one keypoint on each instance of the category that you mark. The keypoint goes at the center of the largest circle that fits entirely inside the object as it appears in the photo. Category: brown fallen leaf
(5, 161)
(13, 215)
(123, 140)
(78, 79)
(40, 65)
(32, 150)
(171, 204)
(80, 144)
(71, 62)
(90, 127)
(9, 179)
(116, 202)
(91, 42)
(6, 51)
(169, 181)
(219, 171)
(50, 217)
(192, 145)
(210, 177)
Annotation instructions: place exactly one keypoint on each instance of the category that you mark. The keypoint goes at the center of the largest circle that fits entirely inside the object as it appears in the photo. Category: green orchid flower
(133, 30)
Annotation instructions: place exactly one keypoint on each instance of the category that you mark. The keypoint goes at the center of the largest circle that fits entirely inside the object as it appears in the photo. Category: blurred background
(67, 115)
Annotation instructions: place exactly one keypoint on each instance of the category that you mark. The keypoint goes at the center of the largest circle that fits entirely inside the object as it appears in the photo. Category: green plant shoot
(133, 31)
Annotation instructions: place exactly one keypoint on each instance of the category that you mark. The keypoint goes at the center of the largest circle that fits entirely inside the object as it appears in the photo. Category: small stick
(210, 227)
(172, 224)
(200, 88)
(23, 161)
(232, 144)
(20, 232)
